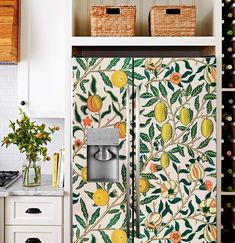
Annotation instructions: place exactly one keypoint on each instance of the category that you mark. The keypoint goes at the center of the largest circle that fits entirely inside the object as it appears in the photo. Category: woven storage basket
(172, 20)
(113, 20)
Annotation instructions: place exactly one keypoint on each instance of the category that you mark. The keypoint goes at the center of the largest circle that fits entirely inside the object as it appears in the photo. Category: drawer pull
(33, 210)
(32, 240)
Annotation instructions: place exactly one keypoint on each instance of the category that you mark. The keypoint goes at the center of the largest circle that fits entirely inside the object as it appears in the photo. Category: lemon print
(119, 79)
(165, 160)
(166, 132)
(184, 116)
(160, 112)
(84, 174)
(144, 185)
(207, 127)
(100, 197)
(119, 236)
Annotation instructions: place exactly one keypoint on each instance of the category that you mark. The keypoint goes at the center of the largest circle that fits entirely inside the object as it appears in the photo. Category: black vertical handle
(32, 240)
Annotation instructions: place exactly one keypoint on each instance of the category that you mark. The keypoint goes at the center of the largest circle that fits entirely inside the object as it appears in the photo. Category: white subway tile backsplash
(10, 158)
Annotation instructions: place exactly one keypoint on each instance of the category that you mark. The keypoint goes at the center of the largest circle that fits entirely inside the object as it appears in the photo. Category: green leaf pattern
(177, 190)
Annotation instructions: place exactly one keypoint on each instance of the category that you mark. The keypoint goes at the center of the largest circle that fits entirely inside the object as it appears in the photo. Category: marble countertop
(46, 189)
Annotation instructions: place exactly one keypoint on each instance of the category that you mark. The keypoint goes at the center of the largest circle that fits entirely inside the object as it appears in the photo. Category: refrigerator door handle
(137, 173)
(128, 158)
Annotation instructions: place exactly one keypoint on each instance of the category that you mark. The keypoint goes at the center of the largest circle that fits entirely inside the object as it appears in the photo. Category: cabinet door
(1, 220)
(42, 69)
(22, 234)
(177, 149)
(33, 210)
(100, 100)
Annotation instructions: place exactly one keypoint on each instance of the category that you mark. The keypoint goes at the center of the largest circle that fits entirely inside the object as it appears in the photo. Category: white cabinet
(33, 219)
(1, 220)
(42, 69)
(36, 234)
(33, 210)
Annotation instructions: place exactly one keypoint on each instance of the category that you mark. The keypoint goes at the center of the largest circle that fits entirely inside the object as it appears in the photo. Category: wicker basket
(172, 20)
(113, 20)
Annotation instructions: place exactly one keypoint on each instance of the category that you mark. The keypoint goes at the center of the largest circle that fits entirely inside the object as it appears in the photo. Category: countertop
(46, 189)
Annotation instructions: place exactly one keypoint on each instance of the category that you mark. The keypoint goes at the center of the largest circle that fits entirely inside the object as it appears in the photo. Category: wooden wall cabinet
(9, 14)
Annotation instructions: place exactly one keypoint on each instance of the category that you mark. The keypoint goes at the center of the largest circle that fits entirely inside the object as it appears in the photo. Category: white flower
(153, 220)
(208, 207)
(153, 63)
(169, 189)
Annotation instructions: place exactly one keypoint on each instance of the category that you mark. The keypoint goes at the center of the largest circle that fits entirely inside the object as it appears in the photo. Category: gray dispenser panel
(102, 155)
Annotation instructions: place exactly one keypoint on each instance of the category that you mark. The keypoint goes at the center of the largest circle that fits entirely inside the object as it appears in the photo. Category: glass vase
(31, 172)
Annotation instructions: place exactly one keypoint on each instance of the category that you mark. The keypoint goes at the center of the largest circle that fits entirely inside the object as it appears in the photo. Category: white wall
(10, 158)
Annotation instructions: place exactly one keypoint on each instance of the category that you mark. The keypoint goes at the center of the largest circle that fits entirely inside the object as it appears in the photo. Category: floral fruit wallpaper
(177, 148)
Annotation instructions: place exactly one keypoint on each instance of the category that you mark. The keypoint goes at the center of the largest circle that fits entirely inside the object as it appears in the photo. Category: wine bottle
(228, 133)
(227, 4)
(228, 183)
(228, 15)
(228, 150)
(228, 81)
(228, 31)
(227, 235)
(228, 99)
(228, 63)
(228, 48)
(227, 118)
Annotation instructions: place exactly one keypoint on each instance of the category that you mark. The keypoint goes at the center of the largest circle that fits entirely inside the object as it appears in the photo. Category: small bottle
(228, 81)
(228, 32)
(228, 48)
(228, 133)
(228, 15)
(228, 150)
(228, 67)
(227, 4)
(227, 118)
(228, 99)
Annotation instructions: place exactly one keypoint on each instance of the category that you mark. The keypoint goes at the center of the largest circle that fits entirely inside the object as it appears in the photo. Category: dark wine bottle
(227, 118)
(228, 133)
(228, 67)
(227, 235)
(227, 4)
(228, 15)
(228, 99)
(228, 81)
(228, 48)
(228, 150)
(228, 183)
(228, 31)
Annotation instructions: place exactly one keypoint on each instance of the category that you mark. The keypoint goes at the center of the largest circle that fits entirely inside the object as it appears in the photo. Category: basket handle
(112, 11)
(181, 2)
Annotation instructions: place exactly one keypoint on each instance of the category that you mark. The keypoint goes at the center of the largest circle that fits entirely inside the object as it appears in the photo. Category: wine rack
(227, 217)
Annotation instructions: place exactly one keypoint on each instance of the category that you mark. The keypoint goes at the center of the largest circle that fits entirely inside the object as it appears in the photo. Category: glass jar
(31, 172)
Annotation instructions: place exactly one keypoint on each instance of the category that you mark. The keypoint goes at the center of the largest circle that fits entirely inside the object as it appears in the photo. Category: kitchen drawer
(27, 210)
(41, 234)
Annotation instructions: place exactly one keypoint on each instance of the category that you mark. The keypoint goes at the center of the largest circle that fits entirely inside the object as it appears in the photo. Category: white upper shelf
(143, 41)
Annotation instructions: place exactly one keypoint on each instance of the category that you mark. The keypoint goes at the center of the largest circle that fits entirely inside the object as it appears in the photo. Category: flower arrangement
(31, 139)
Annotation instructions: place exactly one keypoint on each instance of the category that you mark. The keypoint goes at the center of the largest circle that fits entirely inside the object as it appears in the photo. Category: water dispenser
(102, 155)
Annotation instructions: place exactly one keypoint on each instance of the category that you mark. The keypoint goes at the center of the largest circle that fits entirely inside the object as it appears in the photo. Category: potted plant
(32, 140)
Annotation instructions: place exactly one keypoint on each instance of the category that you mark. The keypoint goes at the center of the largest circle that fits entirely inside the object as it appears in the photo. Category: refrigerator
(144, 149)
